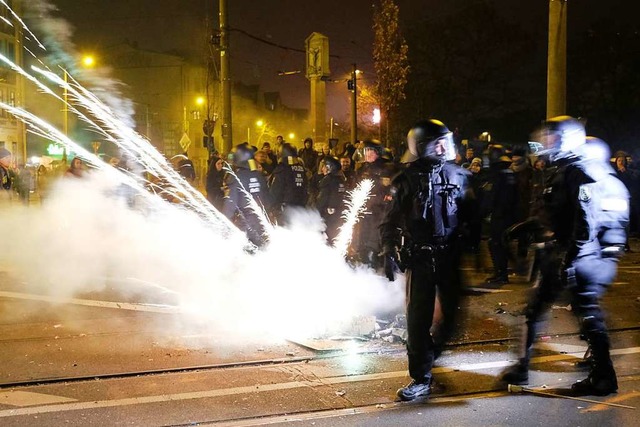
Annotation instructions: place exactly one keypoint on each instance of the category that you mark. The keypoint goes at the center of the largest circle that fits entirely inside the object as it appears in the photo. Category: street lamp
(88, 61)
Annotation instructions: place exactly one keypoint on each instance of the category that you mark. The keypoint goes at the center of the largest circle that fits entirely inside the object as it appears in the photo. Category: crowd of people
(430, 204)
(572, 198)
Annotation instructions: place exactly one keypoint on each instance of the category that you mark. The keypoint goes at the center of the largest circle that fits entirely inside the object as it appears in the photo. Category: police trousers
(587, 278)
(433, 272)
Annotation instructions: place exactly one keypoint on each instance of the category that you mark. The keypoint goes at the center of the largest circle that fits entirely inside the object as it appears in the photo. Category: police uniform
(330, 202)
(247, 192)
(289, 183)
(586, 209)
(424, 219)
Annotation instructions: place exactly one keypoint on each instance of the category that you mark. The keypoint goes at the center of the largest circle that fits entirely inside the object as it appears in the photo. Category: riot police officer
(585, 208)
(289, 181)
(375, 168)
(331, 195)
(248, 196)
(423, 226)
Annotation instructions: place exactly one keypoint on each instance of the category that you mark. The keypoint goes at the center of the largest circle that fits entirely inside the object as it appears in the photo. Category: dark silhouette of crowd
(505, 184)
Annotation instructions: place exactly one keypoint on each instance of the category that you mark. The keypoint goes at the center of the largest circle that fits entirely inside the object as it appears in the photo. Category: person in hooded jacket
(309, 157)
(248, 196)
(331, 196)
(423, 225)
(215, 182)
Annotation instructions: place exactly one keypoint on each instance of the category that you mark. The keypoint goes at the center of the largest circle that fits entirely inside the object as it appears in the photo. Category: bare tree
(390, 59)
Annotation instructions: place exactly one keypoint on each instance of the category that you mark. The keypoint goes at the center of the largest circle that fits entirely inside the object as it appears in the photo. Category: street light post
(354, 106)
(225, 79)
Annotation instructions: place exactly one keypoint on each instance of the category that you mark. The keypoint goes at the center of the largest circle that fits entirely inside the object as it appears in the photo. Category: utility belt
(423, 253)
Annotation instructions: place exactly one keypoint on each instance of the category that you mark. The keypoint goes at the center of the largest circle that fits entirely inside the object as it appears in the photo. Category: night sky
(179, 26)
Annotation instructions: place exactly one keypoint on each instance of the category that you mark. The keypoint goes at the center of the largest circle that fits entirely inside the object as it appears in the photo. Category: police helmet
(375, 145)
(595, 149)
(561, 136)
(424, 136)
(332, 164)
(242, 153)
(288, 150)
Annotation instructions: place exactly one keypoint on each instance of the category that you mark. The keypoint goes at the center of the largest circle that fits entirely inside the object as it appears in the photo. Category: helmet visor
(441, 148)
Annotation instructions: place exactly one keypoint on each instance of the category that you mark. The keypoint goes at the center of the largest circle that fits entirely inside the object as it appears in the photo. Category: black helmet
(288, 150)
(422, 138)
(331, 163)
(560, 136)
(242, 153)
(374, 144)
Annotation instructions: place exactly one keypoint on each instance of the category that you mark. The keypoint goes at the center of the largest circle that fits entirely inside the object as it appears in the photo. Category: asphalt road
(99, 359)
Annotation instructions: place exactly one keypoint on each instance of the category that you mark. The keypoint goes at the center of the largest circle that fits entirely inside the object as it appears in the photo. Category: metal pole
(557, 59)
(225, 79)
(354, 107)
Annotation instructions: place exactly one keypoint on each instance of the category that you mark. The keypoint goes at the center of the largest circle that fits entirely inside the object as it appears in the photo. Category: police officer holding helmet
(421, 232)
(586, 214)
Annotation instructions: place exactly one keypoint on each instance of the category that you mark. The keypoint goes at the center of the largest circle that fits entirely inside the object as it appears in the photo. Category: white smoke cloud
(61, 51)
(86, 238)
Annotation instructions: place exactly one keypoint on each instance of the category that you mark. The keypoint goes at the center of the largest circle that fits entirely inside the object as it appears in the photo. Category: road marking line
(27, 398)
(332, 413)
(152, 308)
(63, 407)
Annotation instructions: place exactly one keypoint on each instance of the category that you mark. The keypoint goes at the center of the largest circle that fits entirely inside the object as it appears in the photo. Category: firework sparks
(355, 207)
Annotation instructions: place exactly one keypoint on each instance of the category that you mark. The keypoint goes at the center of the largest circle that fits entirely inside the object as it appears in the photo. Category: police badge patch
(584, 195)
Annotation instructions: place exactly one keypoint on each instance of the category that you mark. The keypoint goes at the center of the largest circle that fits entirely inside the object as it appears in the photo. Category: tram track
(447, 399)
(258, 363)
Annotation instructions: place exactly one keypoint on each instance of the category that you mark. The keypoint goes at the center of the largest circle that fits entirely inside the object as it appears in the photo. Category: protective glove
(391, 264)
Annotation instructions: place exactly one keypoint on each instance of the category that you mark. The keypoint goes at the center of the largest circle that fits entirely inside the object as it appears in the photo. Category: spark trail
(355, 207)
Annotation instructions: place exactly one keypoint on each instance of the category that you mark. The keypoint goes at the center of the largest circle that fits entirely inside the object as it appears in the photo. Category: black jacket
(427, 205)
(289, 184)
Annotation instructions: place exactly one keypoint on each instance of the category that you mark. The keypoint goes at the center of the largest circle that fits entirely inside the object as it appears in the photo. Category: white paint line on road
(64, 407)
(26, 398)
(152, 308)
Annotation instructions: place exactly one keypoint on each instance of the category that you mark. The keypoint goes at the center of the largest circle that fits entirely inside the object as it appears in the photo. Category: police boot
(602, 377)
(415, 390)
(587, 360)
(517, 374)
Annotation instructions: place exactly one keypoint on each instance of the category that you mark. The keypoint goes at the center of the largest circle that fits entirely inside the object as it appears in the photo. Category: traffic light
(208, 142)
(208, 126)
(350, 84)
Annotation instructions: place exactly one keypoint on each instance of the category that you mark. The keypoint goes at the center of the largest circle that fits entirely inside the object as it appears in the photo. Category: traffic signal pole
(354, 107)
(225, 80)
